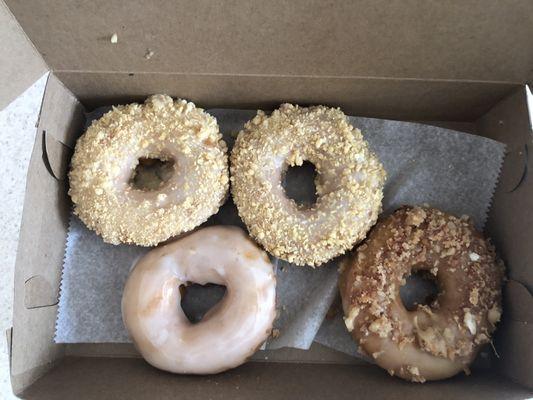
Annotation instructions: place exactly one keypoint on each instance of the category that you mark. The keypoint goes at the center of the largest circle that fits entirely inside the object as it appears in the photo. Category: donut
(107, 155)
(230, 332)
(433, 341)
(349, 183)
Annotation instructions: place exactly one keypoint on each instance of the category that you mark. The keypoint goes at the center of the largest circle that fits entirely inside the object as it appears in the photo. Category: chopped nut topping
(474, 296)
(413, 370)
(474, 256)
(381, 326)
(452, 327)
(470, 322)
(494, 315)
(349, 320)
(378, 353)
(416, 217)
(415, 374)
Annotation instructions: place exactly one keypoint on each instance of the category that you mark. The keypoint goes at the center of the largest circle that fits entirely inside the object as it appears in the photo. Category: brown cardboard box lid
(21, 64)
(478, 40)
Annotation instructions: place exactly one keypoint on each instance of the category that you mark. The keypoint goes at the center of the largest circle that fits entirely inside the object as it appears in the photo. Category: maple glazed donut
(106, 158)
(433, 341)
(230, 332)
(349, 183)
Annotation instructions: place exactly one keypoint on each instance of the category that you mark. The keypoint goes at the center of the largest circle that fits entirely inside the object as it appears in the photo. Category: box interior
(452, 78)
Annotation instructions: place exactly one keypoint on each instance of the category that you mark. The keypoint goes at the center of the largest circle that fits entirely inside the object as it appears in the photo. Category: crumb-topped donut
(231, 331)
(107, 155)
(434, 341)
(349, 183)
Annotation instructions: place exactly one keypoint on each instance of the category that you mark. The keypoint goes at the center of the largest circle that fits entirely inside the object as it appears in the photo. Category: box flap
(366, 38)
(21, 64)
(380, 98)
(510, 225)
(95, 378)
(42, 237)
(510, 222)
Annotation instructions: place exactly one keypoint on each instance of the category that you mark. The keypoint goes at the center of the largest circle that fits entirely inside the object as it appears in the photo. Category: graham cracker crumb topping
(349, 183)
(108, 153)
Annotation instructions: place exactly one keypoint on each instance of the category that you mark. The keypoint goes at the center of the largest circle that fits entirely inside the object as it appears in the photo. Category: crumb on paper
(275, 333)
(114, 38)
(149, 54)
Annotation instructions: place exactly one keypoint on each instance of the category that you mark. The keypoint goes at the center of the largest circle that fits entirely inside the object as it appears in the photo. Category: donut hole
(152, 173)
(197, 300)
(299, 184)
(420, 288)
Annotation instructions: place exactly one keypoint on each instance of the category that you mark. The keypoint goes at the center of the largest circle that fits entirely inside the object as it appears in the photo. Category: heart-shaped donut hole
(197, 300)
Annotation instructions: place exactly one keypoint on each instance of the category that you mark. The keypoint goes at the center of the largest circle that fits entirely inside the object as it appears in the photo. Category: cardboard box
(462, 64)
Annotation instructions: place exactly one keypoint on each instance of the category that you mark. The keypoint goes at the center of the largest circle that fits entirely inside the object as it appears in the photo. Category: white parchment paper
(453, 171)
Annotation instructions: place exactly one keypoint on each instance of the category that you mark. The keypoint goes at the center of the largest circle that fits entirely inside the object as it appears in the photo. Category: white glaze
(230, 332)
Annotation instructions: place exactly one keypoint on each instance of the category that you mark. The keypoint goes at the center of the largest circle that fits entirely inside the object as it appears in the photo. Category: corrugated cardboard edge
(21, 63)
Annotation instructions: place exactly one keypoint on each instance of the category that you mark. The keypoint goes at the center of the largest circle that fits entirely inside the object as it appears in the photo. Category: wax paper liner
(453, 171)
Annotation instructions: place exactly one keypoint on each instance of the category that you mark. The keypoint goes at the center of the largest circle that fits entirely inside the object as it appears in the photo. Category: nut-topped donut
(107, 155)
(433, 341)
(349, 183)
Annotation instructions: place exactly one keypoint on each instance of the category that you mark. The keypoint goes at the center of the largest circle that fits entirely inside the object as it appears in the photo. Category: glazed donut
(434, 341)
(230, 332)
(107, 155)
(349, 183)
